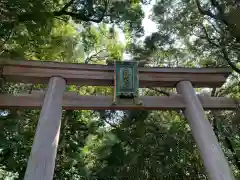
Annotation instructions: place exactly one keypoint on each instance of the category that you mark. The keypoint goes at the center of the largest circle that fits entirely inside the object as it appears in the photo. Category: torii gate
(41, 162)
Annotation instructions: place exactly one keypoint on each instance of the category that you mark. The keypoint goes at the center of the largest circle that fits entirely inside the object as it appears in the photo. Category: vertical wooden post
(1, 76)
(214, 160)
(41, 162)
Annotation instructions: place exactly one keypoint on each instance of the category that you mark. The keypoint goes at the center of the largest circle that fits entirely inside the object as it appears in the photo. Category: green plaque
(126, 80)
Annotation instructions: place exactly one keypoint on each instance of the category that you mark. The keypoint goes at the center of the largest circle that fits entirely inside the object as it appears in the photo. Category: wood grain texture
(102, 75)
(72, 101)
(97, 67)
(41, 162)
(1, 69)
(1, 75)
(213, 157)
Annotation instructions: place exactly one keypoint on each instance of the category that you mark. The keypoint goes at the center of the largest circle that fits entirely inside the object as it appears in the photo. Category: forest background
(121, 145)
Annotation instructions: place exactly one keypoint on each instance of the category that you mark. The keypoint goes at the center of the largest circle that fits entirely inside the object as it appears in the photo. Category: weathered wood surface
(1, 69)
(97, 67)
(72, 101)
(102, 75)
(214, 160)
(1, 76)
(41, 162)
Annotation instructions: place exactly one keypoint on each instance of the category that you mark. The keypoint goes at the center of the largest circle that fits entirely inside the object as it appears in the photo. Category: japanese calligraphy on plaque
(126, 80)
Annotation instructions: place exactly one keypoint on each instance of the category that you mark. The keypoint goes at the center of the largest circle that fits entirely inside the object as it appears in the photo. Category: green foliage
(118, 145)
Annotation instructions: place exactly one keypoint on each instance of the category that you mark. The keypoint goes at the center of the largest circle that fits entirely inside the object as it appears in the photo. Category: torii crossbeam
(42, 159)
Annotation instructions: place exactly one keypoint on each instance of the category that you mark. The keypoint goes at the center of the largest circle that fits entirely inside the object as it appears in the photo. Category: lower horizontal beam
(72, 101)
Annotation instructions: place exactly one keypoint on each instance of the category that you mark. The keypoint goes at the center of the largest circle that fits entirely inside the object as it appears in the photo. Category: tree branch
(227, 142)
(161, 91)
(220, 11)
(67, 5)
(217, 5)
(81, 15)
(220, 16)
(103, 33)
(87, 60)
(215, 26)
(213, 92)
(207, 36)
(230, 147)
(230, 63)
(109, 123)
(223, 50)
(205, 12)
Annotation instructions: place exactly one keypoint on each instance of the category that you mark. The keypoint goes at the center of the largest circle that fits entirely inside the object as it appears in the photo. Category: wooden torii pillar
(42, 159)
(214, 160)
(41, 162)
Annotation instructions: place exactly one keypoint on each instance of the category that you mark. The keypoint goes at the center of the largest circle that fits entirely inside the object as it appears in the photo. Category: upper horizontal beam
(98, 67)
(72, 101)
(102, 75)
